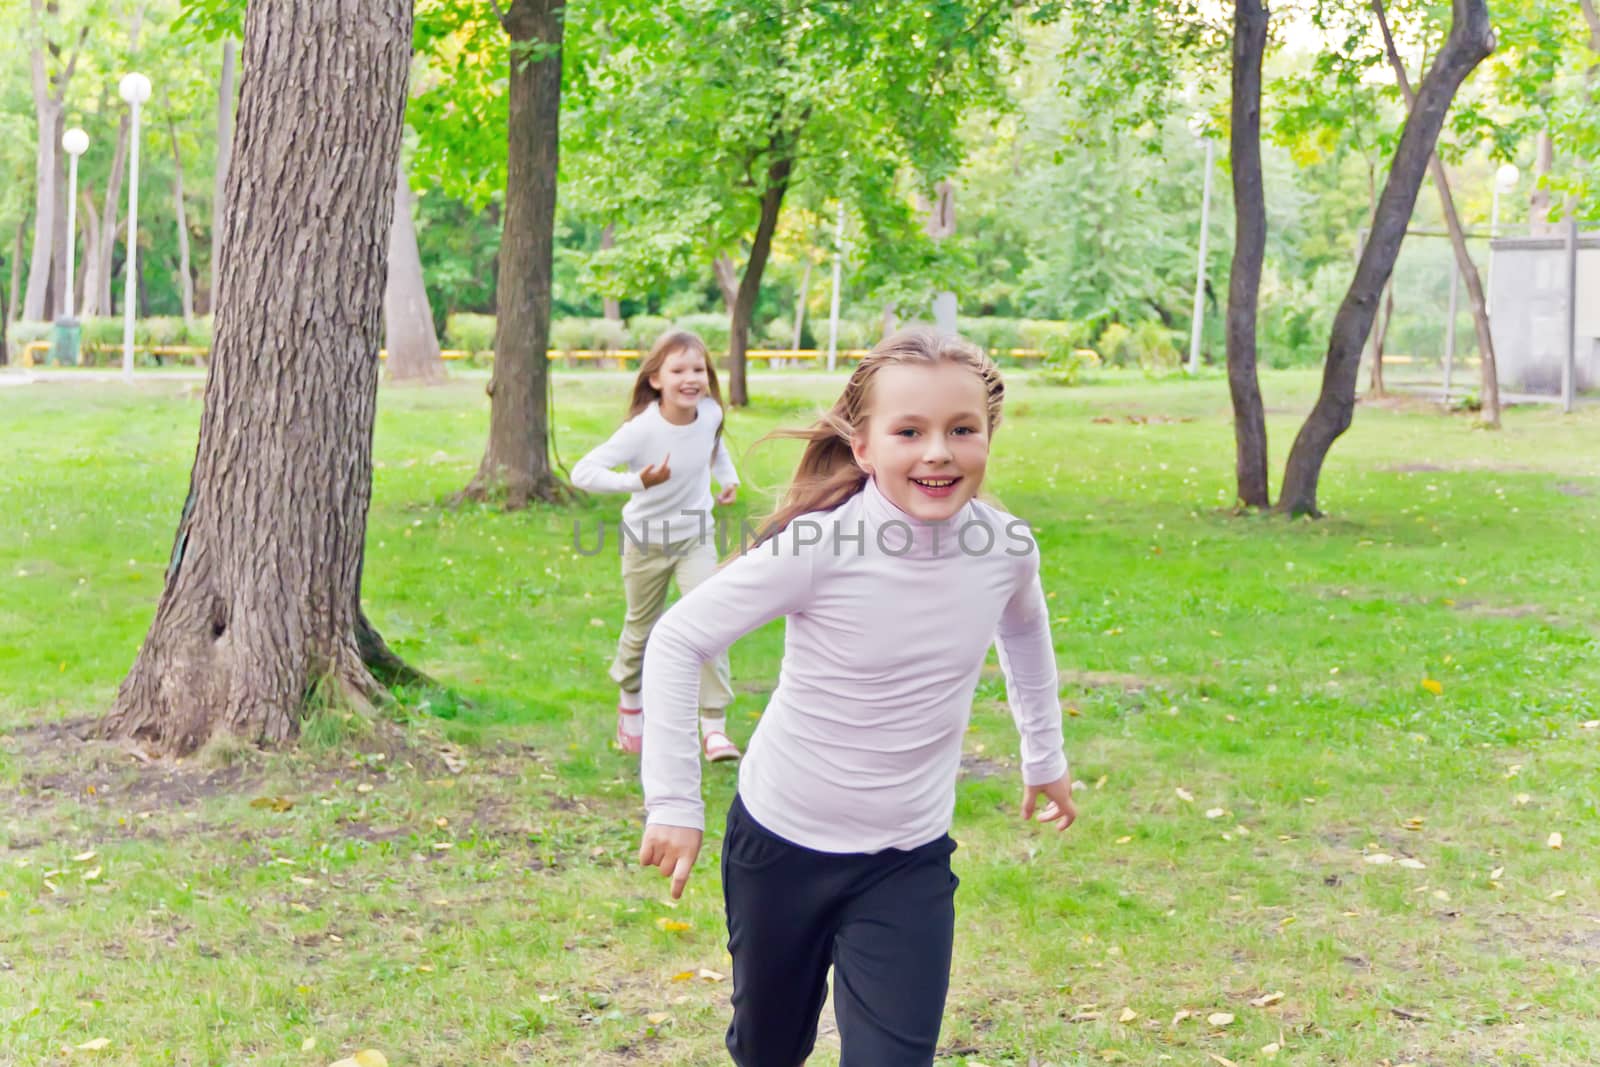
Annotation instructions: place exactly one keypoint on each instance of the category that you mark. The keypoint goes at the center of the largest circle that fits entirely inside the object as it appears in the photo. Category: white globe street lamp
(135, 89)
(76, 143)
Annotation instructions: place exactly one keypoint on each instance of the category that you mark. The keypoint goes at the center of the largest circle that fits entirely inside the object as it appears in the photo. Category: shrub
(644, 329)
(1152, 345)
(712, 326)
(1115, 345)
(466, 332)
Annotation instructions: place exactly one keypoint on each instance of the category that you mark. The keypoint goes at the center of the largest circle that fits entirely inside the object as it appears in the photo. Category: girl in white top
(672, 447)
(894, 581)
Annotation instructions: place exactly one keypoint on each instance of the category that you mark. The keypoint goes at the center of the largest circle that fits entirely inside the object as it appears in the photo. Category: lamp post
(135, 89)
(1505, 181)
(1200, 126)
(76, 142)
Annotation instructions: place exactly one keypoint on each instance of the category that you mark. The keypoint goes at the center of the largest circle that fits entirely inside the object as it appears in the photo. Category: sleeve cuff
(675, 815)
(1043, 773)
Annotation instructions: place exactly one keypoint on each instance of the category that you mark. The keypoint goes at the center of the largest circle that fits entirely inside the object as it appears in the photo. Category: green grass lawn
(1322, 762)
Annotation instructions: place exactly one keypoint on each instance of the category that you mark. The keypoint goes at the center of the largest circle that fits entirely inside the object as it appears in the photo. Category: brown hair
(645, 394)
(828, 474)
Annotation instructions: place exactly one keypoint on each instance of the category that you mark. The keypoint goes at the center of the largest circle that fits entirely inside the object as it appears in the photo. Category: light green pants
(646, 574)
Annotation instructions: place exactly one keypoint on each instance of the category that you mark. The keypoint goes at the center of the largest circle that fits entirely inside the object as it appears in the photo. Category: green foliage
(1067, 364)
(473, 334)
(597, 335)
(712, 326)
(644, 329)
(1152, 345)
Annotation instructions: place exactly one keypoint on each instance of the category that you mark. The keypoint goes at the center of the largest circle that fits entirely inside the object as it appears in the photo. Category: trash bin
(67, 342)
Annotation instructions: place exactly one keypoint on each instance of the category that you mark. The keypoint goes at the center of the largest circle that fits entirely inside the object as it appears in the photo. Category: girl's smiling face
(926, 437)
(681, 381)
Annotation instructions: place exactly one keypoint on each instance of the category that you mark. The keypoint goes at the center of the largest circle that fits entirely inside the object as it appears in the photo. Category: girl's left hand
(1060, 810)
(729, 494)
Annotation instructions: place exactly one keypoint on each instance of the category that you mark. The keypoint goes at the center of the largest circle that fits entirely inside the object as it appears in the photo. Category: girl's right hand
(671, 850)
(656, 473)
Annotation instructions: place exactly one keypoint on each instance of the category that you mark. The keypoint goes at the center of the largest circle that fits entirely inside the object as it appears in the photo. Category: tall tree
(1470, 40)
(407, 318)
(261, 605)
(49, 102)
(516, 464)
(1250, 244)
(857, 101)
(1490, 387)
(185, 274)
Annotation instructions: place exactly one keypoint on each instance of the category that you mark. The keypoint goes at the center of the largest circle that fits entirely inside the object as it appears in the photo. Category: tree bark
(110, 222)
(800, 304)
(727, 273)
(49, 92)
(224, 154)
(185, 275)
(516, 464)
(1380, 337)
(1250, 20)
(14, 307)
(611, 305)
(1471, 39)
(407, 318)
(260, 614)
(91, 252)
(1490, 383)
(744, 306)
(1539, 199)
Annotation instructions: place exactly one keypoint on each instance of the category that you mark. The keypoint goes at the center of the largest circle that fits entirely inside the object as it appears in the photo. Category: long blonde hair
(828, 474)
(687, 341)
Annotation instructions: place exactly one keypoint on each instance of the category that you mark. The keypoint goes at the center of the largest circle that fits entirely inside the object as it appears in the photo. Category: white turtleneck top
(888, 623)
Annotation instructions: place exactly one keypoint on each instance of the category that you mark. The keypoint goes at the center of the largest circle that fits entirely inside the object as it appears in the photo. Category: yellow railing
(622, 356)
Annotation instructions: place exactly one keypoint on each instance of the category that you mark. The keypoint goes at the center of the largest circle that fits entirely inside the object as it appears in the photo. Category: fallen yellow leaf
(1123, 840)
(656, 1018)
(683, 976)
(711, 976)
(1554, 840)
(1413, 864)
(672, 926)
(83, 857)
(1215, 813)
(1180, 1016)
(1270, 1051)
(1222, 1060)
(1266, 999)
(1219, 1018)
(1432, 686)
(1378, 858)
(1184, 795)
(308, 1044)
(1127, 1016)
(95, 1044)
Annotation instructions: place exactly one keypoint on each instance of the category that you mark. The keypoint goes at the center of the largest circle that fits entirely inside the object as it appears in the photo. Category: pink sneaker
(632, 744)
(719, 747)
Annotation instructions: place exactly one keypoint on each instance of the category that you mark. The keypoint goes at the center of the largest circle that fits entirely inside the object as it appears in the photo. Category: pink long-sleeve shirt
(888, 624)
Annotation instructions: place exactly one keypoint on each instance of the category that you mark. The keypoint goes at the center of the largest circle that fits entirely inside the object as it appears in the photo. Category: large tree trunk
(1539, 199)
(727, 275)
(91, 252)
(800, 304)
(516, 463)
(1250, 242)
(47, 270)
(1490, 387)
(185, 275)
(224, 153)
(111, 223)
(14, 306)
(942, 224)
(744, 306)
(1471, 39)
(612, 306)
(407, 318)
(1380, 337)
(48, 111)
(261, 607)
